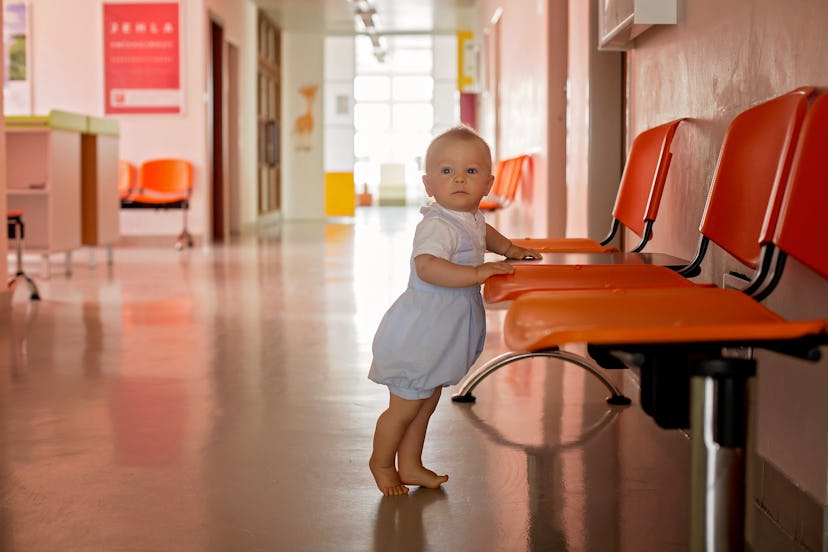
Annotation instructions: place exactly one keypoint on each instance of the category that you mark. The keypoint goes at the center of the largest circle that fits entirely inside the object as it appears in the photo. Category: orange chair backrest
(507, 171)
(127, 178)
(802, 232)
(642, 184)
(515, 176)
(166, 176)
(501, 167)
(750, 177)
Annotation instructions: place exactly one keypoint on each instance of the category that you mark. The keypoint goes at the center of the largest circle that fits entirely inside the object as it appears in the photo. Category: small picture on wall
(17, 85)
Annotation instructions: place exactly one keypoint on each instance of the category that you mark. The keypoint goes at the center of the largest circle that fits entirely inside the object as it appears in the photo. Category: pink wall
(4, 296)
(559, 100)
(524, 106)
(594, 126)
(720, 59)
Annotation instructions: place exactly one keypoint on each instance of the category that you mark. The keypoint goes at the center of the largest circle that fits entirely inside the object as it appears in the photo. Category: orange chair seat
(545, 320)
(564, 245)
(486, 205)
(14, 213)
(529, 278)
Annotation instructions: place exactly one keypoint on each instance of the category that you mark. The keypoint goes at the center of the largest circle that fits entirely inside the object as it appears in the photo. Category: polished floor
(217, 400)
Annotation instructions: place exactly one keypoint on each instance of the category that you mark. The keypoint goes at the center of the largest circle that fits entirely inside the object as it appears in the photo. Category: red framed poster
(142, 57)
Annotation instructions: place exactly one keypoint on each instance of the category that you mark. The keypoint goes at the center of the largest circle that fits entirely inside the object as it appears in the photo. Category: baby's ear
(491, 183)
(425, 184)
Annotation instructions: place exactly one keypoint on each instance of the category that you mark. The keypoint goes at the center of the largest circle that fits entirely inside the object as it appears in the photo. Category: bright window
(372, 116)
(413, 88)
(372, 88)
(393, 111)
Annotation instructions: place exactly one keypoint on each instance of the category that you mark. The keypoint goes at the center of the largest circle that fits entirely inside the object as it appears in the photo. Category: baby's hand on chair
(487, 270)
(522, 253)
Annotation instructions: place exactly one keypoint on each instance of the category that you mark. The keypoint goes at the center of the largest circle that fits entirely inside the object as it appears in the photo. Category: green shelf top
(65, 120)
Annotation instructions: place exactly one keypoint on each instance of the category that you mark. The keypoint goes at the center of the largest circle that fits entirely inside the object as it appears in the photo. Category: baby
(435, 330)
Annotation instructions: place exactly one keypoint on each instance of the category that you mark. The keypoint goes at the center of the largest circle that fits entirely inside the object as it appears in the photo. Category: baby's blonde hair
(460, 132)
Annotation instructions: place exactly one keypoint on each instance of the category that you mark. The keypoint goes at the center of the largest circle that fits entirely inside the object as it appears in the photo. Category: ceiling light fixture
(366, 15)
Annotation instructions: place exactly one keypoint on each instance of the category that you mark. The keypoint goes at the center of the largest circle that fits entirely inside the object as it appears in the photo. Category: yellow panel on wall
(466, 62)
(340, 198)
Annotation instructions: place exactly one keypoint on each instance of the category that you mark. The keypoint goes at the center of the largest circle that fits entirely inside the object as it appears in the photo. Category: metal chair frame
(16, 231)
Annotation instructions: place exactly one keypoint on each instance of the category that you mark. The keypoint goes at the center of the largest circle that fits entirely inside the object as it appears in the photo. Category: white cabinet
(620, 21)
(43, 176)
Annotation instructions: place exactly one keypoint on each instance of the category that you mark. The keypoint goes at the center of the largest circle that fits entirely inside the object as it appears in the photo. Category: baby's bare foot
(387, 479)
(422, 476)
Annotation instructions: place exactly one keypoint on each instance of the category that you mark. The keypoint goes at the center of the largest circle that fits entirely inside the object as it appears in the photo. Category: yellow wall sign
(467, 62)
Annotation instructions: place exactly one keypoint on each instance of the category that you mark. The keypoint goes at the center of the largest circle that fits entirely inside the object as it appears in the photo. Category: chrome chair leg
(482, 372)
(16, 230)
(719, 428)
(185, 239)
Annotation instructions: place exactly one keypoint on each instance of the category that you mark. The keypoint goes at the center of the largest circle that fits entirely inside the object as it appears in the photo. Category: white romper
(432, 335)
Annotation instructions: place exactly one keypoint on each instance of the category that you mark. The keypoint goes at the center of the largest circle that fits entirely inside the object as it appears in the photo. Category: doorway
(233, 154)
(215, 117)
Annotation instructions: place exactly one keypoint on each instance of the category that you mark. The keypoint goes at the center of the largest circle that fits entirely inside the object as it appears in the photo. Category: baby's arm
(500, 244)
(441, 272)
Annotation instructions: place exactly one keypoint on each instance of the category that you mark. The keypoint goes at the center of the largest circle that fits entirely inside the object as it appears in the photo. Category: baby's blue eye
(445, 170)
(471, 171)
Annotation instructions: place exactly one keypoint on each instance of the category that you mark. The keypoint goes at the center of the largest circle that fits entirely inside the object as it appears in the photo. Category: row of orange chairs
(765, 203)
(158, 184)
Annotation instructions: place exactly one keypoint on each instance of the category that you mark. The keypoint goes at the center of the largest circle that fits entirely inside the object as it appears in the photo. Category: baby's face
(458, 174)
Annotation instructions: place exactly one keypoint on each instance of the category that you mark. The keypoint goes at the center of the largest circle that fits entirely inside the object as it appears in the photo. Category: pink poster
(142, 59)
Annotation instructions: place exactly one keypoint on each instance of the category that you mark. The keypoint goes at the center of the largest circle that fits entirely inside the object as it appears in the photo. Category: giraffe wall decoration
(303, 126)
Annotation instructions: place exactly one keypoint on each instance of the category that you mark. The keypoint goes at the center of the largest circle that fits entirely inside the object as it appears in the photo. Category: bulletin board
(142, 57)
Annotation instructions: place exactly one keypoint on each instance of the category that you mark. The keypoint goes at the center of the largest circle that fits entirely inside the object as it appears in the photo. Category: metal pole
(719, 432)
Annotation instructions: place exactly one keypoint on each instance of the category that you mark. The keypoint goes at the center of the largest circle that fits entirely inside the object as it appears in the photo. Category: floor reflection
(400, 523)
(568, 490)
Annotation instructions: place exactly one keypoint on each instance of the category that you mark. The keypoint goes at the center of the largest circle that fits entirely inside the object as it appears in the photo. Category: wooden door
(269, 115)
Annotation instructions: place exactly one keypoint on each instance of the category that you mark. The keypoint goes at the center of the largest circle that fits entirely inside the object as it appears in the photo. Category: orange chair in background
(127, 180)
(508, 176)
(166, 184)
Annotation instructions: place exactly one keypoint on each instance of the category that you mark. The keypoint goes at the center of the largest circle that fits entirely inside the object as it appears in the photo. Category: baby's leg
(410, 452)
(391, 426)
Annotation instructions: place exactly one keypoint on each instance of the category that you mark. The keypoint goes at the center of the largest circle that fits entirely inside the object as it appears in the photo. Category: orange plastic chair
(508, 175)
(166, 184)
(16, 230)
(638, 198)
(127, 179)
(490, 202)
(742, 204)
(682, 338)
